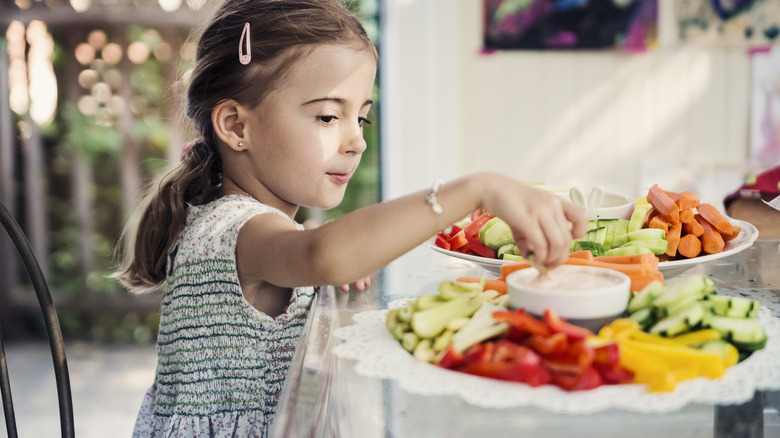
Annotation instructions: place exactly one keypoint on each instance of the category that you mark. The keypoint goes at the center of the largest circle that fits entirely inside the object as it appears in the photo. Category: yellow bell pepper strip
(708, 364)
(697, 337)
(649, 370)
(650, 338)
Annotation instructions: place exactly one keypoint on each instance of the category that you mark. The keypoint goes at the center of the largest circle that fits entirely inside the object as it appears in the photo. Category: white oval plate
(746, 237)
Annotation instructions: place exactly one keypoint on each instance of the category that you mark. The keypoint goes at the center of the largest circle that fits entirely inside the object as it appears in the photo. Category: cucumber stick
(738, 307)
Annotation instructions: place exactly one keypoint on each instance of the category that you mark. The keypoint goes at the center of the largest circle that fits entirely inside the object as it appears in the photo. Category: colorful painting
(765, 110)
(570, 24)
(728, 23)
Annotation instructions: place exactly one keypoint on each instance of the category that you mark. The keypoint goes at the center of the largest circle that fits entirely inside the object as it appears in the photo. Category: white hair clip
(244, 58)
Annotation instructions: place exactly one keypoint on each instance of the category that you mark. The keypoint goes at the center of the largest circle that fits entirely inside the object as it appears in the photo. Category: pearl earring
(240, 144)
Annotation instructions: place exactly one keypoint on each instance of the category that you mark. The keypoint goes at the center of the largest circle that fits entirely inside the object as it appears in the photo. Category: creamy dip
(567, 277)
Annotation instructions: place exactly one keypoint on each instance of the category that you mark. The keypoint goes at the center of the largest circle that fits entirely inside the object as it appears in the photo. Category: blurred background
(90, 112)
(618, 93)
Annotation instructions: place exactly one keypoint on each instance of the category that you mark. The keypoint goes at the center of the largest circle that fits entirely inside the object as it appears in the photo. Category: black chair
(52, 329)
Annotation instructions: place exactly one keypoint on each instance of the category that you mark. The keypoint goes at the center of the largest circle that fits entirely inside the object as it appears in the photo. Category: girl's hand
(542, 223)
(361, 284)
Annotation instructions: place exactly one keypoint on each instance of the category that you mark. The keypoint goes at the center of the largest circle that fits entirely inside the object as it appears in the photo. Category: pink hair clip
(244, 58)
(185, 149)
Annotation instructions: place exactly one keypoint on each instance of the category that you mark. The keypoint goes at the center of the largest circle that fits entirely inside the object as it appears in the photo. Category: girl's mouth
(339, 178)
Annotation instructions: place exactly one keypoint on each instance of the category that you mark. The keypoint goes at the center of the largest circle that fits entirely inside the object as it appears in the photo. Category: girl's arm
(359, 243)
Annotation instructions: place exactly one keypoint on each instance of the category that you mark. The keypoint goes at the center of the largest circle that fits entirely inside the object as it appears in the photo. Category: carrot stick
(665, 205)
(674, 195)
(689, 246)
(686, 215)
(639, 283)
(687, 200)
(498, 285)
(509, 268)
(658, 222)
(715, 218)
(651, 213)
(734, 233)
(637, 272)
(645, 258)
(583, 254)
(693, 227)
(711, 240)
(673, 237)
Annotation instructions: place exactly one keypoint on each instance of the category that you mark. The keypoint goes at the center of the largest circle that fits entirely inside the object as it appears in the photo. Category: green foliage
(82, 134)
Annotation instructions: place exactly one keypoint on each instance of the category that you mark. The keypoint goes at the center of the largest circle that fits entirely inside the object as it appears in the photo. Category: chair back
(52, 329)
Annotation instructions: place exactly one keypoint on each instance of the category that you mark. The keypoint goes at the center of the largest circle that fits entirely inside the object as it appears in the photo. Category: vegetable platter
(676, 227)
(464, 341)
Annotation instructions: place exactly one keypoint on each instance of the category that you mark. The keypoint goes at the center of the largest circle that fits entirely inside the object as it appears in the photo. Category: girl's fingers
(578, 219)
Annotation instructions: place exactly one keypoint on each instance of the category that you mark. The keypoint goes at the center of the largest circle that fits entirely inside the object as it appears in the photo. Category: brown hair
(282, 31)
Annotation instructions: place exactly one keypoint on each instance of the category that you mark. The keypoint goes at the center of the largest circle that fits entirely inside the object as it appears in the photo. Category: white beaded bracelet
(433, 201)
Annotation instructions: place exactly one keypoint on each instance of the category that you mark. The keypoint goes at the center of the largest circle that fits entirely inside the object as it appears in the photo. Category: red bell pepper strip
(472, 229)
(588, 379)
(523, 322)
(506, 360)
(441, 241)
(574, 360)
(613, 375)
(544, 345)
(478, 247)
(559, 325)
(451, 359)
(608, 354)
(457, 240)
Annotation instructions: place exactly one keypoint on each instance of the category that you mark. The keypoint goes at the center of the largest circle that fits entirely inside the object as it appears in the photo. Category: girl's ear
(228, 121)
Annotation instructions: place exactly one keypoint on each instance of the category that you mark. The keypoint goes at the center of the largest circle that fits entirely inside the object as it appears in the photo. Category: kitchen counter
(325, 396)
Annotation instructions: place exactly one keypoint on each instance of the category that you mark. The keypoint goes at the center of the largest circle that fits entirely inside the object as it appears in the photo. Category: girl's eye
(364, 121)
(326, 119)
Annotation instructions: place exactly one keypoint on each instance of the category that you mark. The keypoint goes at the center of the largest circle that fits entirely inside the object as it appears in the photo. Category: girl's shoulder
(230, 208)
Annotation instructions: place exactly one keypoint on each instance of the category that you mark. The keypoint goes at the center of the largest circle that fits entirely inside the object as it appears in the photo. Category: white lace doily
(379, 355)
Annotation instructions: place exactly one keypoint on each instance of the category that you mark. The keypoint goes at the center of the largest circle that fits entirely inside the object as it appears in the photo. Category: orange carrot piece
(509, 268)
(686, 215)
(715, 218)
(732, 234)
(688, 200)
(693, 227)
(638, 273)
(689, 246)
(651, 213)
(583, 254)
(664, 204)
(658, 222)
(645, 258)
(673, 237)
(711, 240)
(498, 284)
(639, 283)
(674, 195)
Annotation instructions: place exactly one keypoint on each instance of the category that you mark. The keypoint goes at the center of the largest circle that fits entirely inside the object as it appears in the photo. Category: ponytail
(150, 236)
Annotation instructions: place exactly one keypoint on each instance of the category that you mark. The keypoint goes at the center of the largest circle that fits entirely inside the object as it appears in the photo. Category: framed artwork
(570, 24)
(728, 23)
(765, 109)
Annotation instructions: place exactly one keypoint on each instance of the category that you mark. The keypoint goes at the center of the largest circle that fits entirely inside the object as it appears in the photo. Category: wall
(677, 116)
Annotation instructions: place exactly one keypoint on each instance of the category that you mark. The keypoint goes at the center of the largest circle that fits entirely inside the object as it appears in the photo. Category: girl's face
(306, 138)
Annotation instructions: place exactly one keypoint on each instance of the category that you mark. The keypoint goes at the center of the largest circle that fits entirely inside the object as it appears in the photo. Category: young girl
(280, 94)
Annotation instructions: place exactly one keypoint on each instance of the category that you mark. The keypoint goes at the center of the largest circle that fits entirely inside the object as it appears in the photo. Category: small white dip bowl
(573, 292)
(614, 206)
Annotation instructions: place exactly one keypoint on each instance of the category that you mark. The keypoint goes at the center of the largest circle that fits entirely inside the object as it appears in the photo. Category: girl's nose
(354, 141)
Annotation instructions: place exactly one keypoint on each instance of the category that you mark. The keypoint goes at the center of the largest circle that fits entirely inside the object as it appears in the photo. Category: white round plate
(746, 237)
(490, 265)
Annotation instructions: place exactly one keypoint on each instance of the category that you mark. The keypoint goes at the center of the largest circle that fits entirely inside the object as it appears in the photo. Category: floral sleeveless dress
(221, 362)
